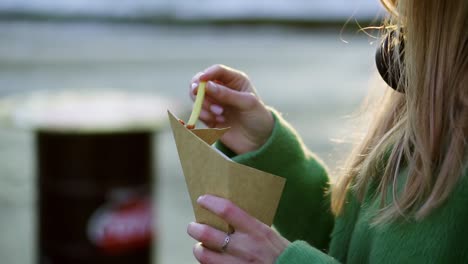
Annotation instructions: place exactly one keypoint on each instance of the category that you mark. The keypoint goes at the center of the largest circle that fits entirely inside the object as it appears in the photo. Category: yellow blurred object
(197, 106)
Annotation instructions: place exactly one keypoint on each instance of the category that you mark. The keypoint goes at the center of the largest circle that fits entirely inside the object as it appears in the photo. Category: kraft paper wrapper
(208, 171)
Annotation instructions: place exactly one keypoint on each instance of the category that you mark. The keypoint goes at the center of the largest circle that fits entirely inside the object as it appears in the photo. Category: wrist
(251, 136)
(264, 131)
(281, 246)
(260, 130)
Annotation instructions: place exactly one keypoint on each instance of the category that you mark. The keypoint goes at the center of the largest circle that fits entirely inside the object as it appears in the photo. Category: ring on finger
(226, 241)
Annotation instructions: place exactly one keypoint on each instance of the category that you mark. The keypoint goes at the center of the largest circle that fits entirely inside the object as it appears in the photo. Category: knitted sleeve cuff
(299, 252)
(284, 142)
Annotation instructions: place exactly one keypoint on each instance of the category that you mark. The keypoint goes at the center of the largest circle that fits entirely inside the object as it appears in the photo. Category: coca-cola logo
(122, 227)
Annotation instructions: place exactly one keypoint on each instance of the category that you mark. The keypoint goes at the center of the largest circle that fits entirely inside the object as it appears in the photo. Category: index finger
(229, 212)
(222, 74)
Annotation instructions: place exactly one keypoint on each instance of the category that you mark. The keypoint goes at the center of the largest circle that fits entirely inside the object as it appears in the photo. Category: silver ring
(227, 239)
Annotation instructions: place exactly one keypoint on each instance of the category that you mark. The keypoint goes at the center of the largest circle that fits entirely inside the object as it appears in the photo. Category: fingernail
(212, 87)
(220, 119)
(200, 199)
(194, 85)
(216, 109)
(198, 249)
(194, 227)
(205, 115)
(201, 77)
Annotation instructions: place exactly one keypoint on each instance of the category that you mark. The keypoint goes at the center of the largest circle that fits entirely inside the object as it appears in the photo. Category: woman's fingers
(209, 104)
(193, 91)
(229, 212)
(220, 119)
(207, 256)
(194, 85)
(208, 118)
(207, 235)
(226, 96)
(223, 74)
(225, 86)
(216, 109)
(251, 242)
(196, 77)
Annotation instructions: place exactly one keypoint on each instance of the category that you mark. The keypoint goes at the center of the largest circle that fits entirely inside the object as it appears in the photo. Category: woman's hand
(231, 101)
(251, 242)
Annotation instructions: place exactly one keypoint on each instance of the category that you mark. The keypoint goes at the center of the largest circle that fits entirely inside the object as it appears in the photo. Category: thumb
(227, 96)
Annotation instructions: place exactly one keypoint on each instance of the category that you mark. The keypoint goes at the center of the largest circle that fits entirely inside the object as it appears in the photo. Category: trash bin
(95, 172)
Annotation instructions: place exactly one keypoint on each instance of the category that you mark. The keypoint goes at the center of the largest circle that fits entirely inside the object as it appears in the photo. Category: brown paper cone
(207, 171)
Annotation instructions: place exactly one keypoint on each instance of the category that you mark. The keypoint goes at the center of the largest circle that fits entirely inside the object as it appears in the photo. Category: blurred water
(313, 77)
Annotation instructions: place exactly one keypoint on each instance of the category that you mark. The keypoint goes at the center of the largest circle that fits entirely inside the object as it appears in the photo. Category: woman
(403, 197)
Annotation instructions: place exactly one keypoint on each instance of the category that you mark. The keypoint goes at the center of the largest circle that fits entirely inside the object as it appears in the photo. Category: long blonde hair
(423, 130)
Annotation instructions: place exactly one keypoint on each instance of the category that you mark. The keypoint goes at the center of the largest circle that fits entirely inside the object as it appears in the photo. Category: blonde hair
(423, 130)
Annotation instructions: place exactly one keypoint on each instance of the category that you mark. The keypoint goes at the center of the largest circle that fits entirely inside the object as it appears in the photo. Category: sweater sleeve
(304, 209)
(300, 252)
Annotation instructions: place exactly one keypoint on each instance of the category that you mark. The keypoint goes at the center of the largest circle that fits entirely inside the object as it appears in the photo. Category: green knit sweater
(304, 216)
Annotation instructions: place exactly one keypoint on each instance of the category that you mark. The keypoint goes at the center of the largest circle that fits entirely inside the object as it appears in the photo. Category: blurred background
(306, 58)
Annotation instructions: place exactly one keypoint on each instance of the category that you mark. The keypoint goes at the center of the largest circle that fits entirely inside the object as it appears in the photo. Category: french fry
(197, 106)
